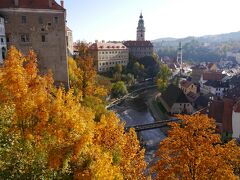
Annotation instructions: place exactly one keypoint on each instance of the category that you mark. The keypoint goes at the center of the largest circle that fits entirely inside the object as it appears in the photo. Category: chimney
(16, 2)
(50, 2)
(62, 3)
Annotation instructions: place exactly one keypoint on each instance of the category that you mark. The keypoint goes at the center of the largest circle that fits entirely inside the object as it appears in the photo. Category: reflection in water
(151, 138)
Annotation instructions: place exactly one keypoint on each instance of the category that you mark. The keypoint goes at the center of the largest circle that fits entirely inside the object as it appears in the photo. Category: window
(4, 53)
(43, 38)
(24, 19)
(25, 38)
(56, 20)
(40, 20)
(7, 39)
(6, 19)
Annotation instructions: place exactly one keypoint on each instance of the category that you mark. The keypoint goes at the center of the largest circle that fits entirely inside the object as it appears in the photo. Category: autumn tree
(82, 50)
(124, 147)
(193, 150)
(163, 77)
(83, 79)
(48, 133)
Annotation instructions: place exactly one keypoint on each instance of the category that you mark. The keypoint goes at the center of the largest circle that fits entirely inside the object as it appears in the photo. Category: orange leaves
(124, 147)
(193, 150)
(59, 127)
(22, 86)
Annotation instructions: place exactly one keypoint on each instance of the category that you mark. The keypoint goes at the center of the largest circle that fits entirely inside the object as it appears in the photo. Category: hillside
(204, 48)
(233, 36)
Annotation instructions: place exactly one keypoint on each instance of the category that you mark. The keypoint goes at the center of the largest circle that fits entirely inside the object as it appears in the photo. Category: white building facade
(3, 43)
(236, 121)
(108, 55)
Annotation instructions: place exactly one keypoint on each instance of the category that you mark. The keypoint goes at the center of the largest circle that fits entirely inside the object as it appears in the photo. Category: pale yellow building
(108, 55)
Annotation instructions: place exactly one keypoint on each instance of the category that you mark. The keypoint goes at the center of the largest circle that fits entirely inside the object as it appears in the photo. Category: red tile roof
(236, 107)
(216, 110)
(107, 46)
(227, 115)
(211, 75)
(138, 43)
(31, 4)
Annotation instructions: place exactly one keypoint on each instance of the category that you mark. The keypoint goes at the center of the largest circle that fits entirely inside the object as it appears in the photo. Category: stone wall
(42, 31)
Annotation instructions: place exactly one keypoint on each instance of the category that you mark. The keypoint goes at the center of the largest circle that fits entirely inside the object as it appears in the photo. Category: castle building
(140, 48)
(108, 55)
(38, 25)
(3, 44)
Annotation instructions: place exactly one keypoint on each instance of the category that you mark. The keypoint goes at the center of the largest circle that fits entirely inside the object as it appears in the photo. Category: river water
(150, 138)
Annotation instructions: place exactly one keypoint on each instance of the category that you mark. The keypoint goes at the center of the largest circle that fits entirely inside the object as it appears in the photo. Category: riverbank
(134, 111)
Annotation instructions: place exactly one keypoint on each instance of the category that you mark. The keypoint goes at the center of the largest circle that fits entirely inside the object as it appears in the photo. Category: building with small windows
(108, 55)
(187, 87)
(3, 44)
(69, 39)
(38, 25)
(140, 48)
(175, 101)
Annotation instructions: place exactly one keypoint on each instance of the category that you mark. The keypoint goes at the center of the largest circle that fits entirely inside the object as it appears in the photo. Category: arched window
(3, 52)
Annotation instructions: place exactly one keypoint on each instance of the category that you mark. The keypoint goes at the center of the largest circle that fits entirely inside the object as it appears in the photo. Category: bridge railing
(143, 127)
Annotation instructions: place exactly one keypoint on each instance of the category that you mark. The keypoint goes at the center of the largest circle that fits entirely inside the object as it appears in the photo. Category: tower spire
(141, 29)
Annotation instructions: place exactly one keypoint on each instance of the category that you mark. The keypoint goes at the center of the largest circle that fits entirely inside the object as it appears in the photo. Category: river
(131, 114)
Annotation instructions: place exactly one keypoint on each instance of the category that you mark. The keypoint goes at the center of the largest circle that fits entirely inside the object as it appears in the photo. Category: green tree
(130, 79)
(118, 68)
(119, 89)
(163, 77)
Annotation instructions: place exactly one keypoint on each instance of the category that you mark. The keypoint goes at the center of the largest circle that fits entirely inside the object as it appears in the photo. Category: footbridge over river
(158, 124)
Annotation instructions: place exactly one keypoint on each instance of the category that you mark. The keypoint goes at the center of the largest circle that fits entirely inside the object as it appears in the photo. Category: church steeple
(141, 29)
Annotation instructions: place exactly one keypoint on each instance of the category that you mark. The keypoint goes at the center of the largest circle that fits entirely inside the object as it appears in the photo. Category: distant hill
(233, 36)
(204, 48)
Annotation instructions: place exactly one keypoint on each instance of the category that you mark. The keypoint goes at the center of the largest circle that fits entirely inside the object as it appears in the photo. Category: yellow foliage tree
(26, 90)
(124, 147)
(83, 79)
(47, 133)
(193, 150)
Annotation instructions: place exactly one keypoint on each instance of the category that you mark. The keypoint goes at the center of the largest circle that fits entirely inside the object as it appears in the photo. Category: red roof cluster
(212, 75)
(32, 4)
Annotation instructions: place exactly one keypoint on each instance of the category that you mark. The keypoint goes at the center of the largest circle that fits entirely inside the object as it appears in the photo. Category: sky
(116, 20)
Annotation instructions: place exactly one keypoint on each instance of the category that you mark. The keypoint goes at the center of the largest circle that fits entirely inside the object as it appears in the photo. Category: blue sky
(117, 19)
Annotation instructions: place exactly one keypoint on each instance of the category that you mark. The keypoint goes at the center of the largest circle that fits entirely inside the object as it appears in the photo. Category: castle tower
(141, 29)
